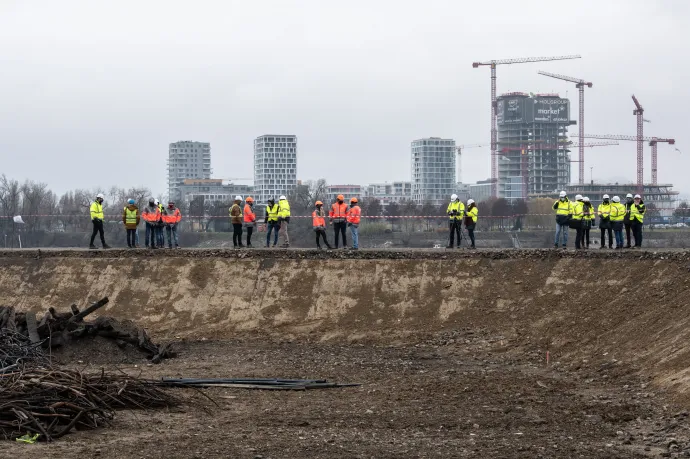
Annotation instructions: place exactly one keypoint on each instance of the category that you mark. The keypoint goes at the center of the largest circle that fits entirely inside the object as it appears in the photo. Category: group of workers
(277, 221)
(458, 214)
(156, 216)
(613, 217)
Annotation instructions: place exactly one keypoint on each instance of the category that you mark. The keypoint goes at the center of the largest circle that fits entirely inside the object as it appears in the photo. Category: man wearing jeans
(151, 215)
(353, 218)
(171, 218)
(563, 210)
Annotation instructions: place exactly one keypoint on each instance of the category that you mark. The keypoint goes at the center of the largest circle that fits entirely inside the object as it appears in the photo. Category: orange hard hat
(318, 203)
(249, 199)
(341, 197)
(354, 200)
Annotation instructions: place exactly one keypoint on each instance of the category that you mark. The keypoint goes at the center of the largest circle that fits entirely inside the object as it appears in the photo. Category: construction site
(493, 353)
(531, 150)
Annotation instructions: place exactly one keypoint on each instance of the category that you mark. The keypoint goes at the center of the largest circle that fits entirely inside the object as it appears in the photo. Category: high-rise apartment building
(275, 166)
(187, 160)
(433, 170)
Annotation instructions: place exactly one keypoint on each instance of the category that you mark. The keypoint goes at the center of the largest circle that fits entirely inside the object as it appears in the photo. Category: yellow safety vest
(617, 212)
(283, 208)
(577, 210)
(562, 207)
(604, 210)
(459, 207)
(473, 212)
(272, 213)
(131, 216)
(96, 210)
(636, 214)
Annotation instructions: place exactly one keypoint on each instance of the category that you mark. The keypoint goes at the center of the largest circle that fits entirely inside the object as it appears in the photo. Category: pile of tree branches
(57, 329)
(52, 402)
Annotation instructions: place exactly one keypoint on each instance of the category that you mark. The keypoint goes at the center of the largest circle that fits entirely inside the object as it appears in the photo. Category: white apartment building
(433, 170)
(187, 160)
(275, 166)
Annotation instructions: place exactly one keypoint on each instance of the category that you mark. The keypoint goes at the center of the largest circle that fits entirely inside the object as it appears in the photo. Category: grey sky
(93, 92)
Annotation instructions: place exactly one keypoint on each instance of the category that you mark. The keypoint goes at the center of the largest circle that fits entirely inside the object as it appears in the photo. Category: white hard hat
(578, 197)
(561, 194)
(616, 199)
(585, 199)
(100, 196)
(282, 197)
(629, 195)
(637, 196)
(606, 196)
(156, 202)
(470, 201)
(238, 198)
(453, 197)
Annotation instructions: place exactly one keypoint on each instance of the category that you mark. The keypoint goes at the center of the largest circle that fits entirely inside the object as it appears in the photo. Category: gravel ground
(461, 393)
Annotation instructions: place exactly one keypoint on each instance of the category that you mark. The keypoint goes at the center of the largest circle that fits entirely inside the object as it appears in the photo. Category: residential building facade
(187, 160)
(275, 166)
(433, 170)
(388, 193)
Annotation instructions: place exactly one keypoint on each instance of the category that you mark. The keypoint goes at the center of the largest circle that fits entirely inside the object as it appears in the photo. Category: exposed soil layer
(457, 394)
(450, 346)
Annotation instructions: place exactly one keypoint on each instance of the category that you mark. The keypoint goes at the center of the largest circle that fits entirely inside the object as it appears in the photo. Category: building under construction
(532, 137)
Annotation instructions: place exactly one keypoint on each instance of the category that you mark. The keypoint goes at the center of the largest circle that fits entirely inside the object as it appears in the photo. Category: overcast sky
(92, 92)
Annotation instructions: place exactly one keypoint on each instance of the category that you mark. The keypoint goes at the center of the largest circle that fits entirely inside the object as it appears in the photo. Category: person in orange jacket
(354, 216)
(249, 218)
(171, 217)
(319, 223)
(338, 216)
(151, 215)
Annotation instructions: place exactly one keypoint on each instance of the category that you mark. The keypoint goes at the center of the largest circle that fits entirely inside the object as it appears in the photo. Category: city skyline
(354, 99)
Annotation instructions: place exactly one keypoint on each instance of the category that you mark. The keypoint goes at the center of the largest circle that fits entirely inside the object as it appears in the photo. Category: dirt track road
(457, 394)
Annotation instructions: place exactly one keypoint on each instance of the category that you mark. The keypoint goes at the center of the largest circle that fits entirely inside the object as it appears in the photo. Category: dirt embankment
(629, 307)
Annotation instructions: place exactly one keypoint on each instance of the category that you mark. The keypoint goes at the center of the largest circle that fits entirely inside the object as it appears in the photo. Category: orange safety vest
(171, 216)
(338, 212)
(151, 214)
(354, 215)
(317, 220)
(249, 215)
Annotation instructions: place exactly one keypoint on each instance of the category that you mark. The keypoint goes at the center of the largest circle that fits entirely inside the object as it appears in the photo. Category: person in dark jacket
(629, 201)
(236, 220)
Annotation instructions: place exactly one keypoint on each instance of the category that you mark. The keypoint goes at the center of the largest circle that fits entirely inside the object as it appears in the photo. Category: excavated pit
(615, 325)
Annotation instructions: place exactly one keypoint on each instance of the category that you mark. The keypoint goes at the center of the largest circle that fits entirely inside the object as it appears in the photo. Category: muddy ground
(460, 393)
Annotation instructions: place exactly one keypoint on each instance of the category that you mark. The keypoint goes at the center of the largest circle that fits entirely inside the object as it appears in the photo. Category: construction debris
(57, 329)
(253, 383)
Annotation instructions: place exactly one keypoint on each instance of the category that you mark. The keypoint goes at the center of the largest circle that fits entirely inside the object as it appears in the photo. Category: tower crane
(639, 112)
(493, 64)
(580, 85)
(652, 142)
